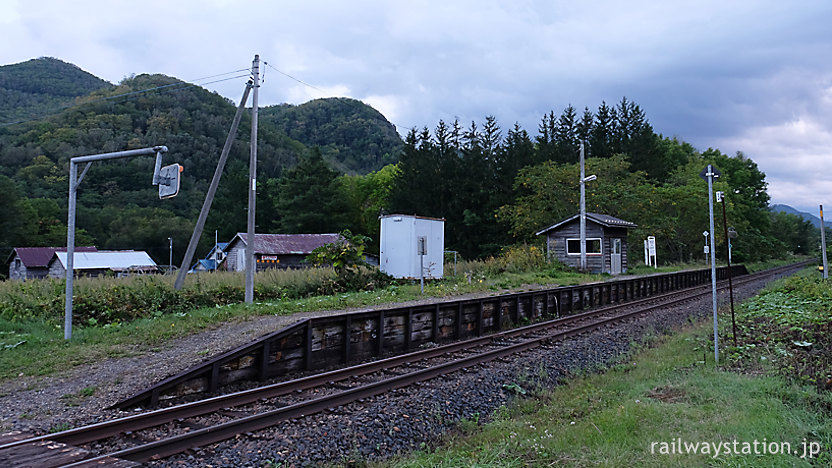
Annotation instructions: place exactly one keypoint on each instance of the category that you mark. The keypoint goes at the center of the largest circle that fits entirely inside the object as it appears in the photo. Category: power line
(319, 89)
(172, 86)
(292, 77)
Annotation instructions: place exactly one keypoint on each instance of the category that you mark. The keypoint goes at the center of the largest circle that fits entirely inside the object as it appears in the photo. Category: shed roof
(602, 219)
(34, 257)
(276, 244)
(108, 259)
(411, 216)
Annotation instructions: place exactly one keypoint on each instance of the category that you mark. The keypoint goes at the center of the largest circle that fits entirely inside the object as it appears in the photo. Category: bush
(513, 259)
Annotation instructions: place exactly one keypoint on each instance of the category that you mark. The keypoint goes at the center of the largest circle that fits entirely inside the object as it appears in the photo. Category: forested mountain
(352, 135)
(41, 86)
(118, 208)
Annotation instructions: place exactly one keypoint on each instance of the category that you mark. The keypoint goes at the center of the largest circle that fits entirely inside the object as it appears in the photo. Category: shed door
(615, 257)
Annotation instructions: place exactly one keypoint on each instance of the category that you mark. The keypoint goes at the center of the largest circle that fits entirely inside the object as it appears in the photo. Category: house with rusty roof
(606, 242)
(33, 262)
(274, 250)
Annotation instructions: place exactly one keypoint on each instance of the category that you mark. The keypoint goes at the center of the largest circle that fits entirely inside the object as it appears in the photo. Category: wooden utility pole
(251, 265)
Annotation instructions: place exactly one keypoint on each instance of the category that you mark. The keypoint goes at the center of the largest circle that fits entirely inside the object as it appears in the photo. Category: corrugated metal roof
(108, 259)
(277, 244)
(602, 219)
(34, 257)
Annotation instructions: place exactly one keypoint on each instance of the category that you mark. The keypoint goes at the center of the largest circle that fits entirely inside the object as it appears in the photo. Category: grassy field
(771, 390)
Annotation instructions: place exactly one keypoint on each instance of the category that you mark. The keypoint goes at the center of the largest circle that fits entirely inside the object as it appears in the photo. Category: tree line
(495, 188)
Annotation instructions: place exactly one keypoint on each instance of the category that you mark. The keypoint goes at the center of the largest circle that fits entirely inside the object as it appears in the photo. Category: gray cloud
(743, 75)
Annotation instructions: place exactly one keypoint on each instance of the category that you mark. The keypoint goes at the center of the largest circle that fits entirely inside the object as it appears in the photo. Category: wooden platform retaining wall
(320, 343)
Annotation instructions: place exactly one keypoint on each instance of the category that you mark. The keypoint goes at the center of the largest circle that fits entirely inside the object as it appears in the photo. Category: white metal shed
(401, 238)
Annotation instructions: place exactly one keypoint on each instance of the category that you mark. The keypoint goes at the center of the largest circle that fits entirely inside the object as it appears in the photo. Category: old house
(33, 262)
(606, 242)
(275, 250)
(117, 262)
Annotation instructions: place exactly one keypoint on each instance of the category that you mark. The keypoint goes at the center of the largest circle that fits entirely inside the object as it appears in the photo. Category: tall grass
(104, 300)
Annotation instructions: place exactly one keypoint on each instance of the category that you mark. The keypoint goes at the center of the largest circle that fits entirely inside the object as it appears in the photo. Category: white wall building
(403, 240)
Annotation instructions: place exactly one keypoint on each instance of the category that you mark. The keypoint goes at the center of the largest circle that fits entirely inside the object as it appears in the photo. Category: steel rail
(201, 437)
(113, 427)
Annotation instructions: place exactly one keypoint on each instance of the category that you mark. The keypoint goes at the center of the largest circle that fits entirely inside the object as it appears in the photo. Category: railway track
(161, 433)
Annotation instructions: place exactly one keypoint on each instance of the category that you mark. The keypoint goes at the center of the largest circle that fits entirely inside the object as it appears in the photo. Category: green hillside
(118, 208)
(40, 86)
(352, 135)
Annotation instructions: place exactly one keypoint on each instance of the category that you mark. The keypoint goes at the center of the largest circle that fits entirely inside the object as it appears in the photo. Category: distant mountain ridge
(40, 86)
(807, 216)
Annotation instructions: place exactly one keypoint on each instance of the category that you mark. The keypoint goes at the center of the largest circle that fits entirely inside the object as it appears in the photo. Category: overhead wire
(292, 77)
(314, 87)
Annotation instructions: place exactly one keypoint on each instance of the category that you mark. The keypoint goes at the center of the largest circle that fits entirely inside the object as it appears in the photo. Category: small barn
(410, 243)
(33, 262)
(117, 262)
(275, 250)
(606, 242)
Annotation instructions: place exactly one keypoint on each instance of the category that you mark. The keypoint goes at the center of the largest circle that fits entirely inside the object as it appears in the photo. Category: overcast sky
(750, 76)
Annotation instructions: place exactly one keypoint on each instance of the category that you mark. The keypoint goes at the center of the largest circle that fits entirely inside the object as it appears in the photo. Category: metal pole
(710, 175)
(74, 181)
(70, 249)
(583, 212)
(730, 273)
(212, 190)
(823, 245)
(422, 272)
(170, 254)
(251, 266)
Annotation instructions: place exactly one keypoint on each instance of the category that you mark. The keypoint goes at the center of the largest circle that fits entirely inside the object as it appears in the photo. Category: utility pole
(823, 245)
(251, 266)
(212, 190)
(584, 180)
